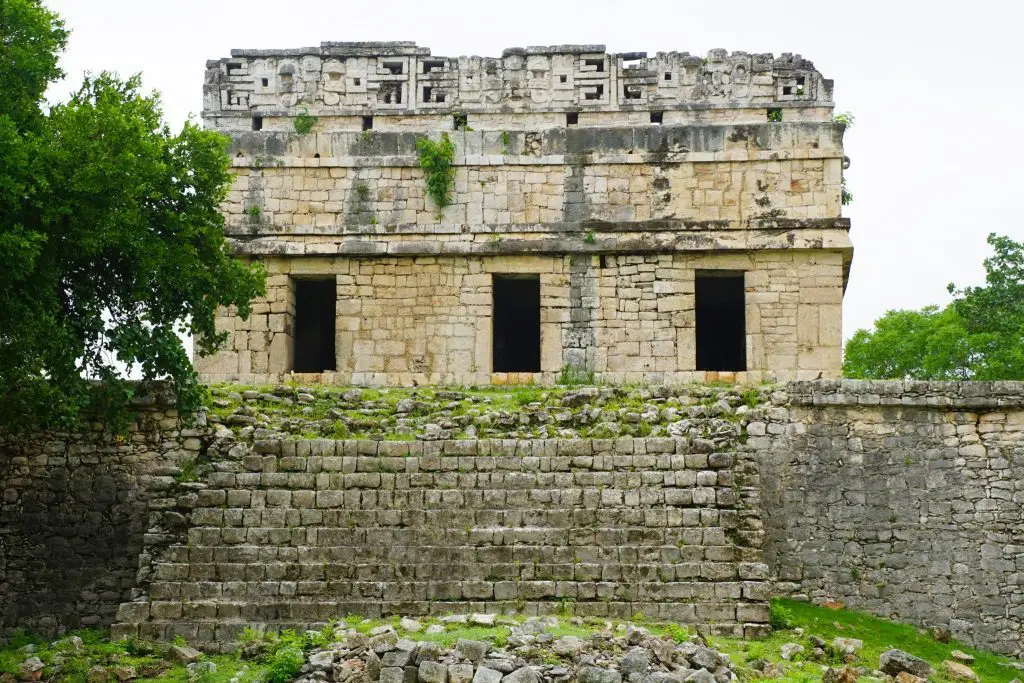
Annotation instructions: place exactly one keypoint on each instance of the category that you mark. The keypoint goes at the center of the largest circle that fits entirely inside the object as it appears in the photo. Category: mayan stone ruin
(662, 218)
(656, 244)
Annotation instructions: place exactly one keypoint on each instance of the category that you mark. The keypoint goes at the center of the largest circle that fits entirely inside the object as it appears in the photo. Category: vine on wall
(436, 159)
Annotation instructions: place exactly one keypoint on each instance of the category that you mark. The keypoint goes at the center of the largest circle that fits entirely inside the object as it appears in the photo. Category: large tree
(111, 240)
(979, 336)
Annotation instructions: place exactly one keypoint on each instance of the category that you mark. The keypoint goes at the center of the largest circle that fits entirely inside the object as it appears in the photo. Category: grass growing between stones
(878, 635)
(97, 660)
(88, 656)
(530, 411)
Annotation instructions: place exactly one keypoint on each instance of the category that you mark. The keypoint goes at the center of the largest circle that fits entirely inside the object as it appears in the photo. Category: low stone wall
(73, 513)
(903, 499)
(293, 533)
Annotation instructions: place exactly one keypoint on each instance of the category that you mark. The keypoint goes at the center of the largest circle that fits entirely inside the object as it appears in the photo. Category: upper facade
(634, 217)
(399, 78)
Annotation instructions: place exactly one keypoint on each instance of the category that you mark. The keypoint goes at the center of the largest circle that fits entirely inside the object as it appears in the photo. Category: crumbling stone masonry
(900, 498)
(905, 499)
(664, 218)
(299, 532)
(74, 513)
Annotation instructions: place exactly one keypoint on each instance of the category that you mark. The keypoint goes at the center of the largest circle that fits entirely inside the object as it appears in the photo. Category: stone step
(710, 567)
(645, 537)
(710, 586)
(222, 628)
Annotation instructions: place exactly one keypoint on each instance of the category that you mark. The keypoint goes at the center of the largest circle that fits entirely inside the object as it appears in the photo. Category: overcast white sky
(936, 88)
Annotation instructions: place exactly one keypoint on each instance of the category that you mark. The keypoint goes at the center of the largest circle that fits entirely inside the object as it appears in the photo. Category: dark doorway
(721, 321)
(516, 323)
(315, 306)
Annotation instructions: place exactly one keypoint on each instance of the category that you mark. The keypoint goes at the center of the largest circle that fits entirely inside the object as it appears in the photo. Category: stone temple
(626, 217)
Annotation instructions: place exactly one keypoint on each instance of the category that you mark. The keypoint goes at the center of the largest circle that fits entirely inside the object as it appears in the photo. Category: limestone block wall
(293, 533)
(627, 317)
(900, 498)
(73, 516)
(600, 170)
(330, 182)
(905, 499)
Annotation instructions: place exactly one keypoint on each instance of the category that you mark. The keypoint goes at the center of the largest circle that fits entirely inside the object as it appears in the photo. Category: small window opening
(800, 81)
(631, 92)
(317, 155)
(597, 94)
(334, 75)
(599, 63)
(572, 118)
(433, 65)
(265, 82)
(668, 76)
(315, 306)
(775, 115)
(232, 66)
(441, 97)
(516, 323)
(460, 121)
(427, 92)
(394, 68)
(787, 90)
(657, 117)
(563, 78)
(720, 321)
(257, 123)
(390, 93)
(356, 81)
(603, 261)
(367, 123)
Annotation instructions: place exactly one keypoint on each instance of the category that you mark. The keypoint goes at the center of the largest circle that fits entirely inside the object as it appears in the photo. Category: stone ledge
(912, 393)
(635, 243)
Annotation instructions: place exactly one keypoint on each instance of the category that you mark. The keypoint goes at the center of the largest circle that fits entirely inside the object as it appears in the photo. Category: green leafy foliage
(781, 616)
(775, 115)
(284, 664)
(304, 122)
(436, 159)
(845, 118)
(362, 191)
(927, 344)
(979, 336)
(110, 234)
(32, 37)
(283, 653)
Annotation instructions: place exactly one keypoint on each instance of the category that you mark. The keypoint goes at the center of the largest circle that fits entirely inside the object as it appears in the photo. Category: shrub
(781, 617)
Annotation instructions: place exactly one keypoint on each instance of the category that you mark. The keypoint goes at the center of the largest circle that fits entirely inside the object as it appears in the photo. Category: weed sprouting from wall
(304, 122)
(436, 159)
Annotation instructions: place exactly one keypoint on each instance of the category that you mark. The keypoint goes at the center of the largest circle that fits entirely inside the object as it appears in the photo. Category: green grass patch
(362, 413)
(276, 657)
(880, 635)
(65, 662)
(877, 634)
